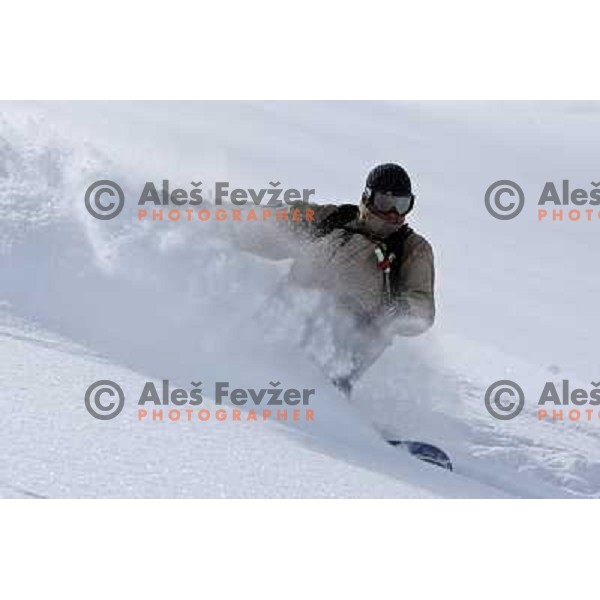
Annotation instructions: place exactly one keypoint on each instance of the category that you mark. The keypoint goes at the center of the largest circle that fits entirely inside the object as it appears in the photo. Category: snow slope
(53, 448)
(86, 300)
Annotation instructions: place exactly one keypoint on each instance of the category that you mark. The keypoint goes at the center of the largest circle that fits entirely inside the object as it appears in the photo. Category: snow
(84, 300)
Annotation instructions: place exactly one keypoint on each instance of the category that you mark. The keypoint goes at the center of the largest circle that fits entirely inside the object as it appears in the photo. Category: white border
(315, 49)
(308, 50)
(298, 549)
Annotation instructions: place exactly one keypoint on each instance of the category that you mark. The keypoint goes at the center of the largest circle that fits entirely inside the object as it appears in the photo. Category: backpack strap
(395, 242)
(341, 216)
(390, 256)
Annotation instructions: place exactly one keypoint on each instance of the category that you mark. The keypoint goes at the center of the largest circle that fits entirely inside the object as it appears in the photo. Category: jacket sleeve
(280, 239)
(306, 219)
(413, 309)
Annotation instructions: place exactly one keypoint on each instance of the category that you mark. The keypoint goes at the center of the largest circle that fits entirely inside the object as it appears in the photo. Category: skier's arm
(413, 309)
(268, 238)
(308, 218)
(278, 239)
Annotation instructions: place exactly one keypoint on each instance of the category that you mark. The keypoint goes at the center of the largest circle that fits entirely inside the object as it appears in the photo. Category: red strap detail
(386, 263)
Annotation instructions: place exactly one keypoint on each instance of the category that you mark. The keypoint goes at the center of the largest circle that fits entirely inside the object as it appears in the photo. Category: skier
(373, 277)
(379, 271)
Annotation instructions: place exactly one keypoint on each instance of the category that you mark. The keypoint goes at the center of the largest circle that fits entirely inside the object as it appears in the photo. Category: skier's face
(381, 224)
(387, 207)
(390, 216)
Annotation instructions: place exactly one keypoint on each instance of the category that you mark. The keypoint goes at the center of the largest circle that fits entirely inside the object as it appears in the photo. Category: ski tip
(426, 452)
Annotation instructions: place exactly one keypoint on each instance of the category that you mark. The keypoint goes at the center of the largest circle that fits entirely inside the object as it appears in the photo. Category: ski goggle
(386, 202)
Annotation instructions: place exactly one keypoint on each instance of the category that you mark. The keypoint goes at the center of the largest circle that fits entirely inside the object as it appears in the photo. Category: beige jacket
(344, 263)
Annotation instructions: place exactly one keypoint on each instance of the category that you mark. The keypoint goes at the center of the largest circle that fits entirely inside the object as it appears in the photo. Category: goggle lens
(386, 202)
